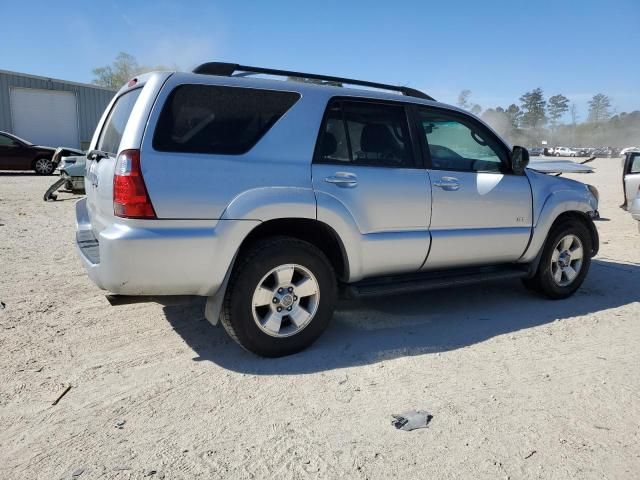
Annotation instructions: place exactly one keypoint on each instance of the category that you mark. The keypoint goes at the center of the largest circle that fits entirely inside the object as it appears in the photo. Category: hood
(42, 147)
(558, 166)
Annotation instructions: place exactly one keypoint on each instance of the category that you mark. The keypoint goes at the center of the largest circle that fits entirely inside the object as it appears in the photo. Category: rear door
(481, 212)
(632, 176)
(366, 167)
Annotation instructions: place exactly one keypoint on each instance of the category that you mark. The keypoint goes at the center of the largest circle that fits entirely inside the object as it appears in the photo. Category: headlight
(594, 192)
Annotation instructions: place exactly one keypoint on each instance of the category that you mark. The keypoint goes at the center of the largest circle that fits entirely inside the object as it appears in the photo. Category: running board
(413, 282)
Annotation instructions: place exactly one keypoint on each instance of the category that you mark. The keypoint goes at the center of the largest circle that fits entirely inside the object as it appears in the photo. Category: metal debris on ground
(411, 420)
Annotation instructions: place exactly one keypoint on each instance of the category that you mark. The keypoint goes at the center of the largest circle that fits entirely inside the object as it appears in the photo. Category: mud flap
(213, 308)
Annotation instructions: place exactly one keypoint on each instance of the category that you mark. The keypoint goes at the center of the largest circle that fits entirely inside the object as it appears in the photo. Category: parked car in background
(63, 152)
(564, 152)
(548, 151)
(270, 196)
(71, 171)
(630, 177)
(603, 152)
(536, 151)
(19, 154)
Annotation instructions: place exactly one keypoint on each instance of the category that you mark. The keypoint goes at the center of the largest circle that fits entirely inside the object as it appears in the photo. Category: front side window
(218, 120)
(113, 128)
(455, 144)
(368, 134)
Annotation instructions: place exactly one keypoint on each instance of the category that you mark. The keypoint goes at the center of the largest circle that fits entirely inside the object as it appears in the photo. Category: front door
(369, 184)
(11, 153)
(631, 176)
(481, 212)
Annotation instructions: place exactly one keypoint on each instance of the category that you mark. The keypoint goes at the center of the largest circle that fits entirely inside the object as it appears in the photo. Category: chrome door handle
(344, 180)
(448, 183)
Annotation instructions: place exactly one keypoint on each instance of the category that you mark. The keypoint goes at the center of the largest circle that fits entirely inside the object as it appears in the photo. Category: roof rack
(228, 69)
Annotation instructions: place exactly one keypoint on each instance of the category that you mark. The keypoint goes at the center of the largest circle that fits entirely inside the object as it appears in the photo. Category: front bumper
(159, 257)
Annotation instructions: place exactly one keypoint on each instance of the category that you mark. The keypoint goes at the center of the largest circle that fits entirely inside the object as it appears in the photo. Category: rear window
(214, 119)
(113, 129)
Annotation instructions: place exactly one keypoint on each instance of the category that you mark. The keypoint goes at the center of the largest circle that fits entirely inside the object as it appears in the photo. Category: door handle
(344, 180)
(448, 183)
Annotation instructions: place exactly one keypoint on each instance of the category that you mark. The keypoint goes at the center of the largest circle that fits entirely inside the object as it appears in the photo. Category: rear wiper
(97, 155)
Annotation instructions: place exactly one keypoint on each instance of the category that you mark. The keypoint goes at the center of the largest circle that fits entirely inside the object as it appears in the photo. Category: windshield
(113, 128)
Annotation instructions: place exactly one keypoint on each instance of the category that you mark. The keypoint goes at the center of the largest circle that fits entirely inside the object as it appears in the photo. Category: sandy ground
(519, 386)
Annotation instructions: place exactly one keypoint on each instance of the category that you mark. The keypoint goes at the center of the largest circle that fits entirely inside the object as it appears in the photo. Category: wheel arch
(313, 231)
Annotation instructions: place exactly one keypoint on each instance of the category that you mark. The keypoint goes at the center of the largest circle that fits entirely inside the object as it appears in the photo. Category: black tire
(43, 166)
(238, 312)
(543, 282)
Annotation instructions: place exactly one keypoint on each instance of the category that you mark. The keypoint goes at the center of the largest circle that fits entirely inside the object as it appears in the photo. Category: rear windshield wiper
(97, 155)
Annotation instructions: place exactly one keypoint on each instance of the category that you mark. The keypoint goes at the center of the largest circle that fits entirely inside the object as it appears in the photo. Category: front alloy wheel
(44, 166)
(566, 260)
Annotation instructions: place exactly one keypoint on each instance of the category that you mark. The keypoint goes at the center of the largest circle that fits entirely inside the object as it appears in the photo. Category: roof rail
(228, 69)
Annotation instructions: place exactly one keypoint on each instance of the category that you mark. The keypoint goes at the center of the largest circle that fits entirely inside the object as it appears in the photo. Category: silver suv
(270, 197)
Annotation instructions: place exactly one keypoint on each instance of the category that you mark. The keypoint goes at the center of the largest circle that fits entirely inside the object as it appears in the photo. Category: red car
(19, 154)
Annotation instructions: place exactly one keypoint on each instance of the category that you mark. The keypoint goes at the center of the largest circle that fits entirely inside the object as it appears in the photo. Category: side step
(413, 282)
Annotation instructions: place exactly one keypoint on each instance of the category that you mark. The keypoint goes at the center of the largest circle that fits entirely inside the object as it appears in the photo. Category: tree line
(536, 119)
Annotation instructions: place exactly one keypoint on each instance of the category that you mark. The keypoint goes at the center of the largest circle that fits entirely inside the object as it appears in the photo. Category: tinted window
(457, 144)
(113, 129)
(334, 145)
(366, 134)
(212, 119)
(5, 141)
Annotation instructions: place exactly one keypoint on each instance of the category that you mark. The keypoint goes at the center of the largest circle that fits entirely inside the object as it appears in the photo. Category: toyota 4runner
(270, 197)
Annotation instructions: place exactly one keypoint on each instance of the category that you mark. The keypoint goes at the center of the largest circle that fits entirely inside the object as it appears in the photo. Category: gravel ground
(519, 386)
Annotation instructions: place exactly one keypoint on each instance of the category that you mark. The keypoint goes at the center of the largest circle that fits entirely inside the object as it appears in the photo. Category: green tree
(558, 106)
(463, 99)
(123, 69)
(599, 108)
(574, 114)
(515, 115)
(533, 106)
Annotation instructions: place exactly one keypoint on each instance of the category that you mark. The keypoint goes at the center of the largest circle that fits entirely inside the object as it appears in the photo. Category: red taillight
(130, 197)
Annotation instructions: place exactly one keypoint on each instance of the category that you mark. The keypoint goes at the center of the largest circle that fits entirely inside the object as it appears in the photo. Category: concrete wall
(91, 100)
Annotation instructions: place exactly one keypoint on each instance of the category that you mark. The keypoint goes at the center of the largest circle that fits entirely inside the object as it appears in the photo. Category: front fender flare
(556, 204)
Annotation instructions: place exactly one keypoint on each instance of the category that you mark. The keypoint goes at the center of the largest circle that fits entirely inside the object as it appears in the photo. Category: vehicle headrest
(329, 144)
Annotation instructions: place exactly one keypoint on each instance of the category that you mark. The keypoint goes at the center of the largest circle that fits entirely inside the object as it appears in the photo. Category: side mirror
(519, 160)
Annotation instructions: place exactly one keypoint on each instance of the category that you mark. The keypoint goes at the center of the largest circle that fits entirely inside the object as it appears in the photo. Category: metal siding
(91, 100)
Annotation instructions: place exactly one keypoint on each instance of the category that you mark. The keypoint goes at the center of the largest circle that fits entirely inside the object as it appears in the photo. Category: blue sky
(497, 49)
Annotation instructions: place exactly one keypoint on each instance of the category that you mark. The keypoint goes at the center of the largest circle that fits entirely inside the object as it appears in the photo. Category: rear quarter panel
(207, 186)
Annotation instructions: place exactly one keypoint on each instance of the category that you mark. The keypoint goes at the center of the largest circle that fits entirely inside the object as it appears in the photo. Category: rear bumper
(159, 257)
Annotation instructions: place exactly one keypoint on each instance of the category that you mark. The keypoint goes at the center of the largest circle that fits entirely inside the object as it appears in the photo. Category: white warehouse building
(50, 112)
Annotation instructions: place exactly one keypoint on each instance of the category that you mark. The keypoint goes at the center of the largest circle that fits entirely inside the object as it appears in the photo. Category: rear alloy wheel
(44, 166)
(565, 261)
(280, 297)
(285, 300)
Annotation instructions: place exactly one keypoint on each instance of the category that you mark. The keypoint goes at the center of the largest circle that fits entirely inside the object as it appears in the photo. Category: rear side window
(113, 128)
(214, 119)
(635, 164)
(366, 133)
